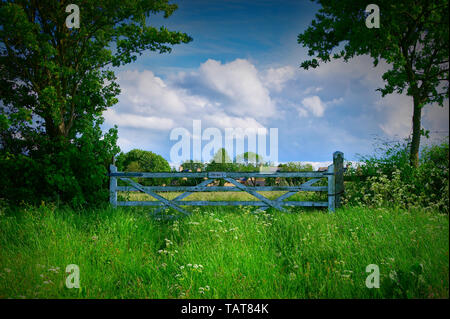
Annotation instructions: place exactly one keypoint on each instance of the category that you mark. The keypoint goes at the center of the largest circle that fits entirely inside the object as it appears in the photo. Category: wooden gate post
(113, 186)
(331, 189)
(338, 163)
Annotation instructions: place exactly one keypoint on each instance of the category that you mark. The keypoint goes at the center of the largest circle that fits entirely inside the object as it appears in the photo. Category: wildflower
(181, 267)
(393, 275)
(7, 270)
(54, 269)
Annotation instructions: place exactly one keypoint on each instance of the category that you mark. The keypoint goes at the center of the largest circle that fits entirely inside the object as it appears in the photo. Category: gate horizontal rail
(334, 176)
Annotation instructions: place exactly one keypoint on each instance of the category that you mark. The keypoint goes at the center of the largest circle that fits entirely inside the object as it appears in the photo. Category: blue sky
(242, 70)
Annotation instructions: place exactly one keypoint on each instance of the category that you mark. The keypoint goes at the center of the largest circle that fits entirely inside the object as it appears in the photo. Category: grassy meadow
(224, 252)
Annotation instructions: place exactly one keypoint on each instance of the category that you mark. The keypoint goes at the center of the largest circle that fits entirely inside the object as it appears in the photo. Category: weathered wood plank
(255, 194)
(113, 186)
(334, 188)
(221, 203)
(338, 163)
(331, 189)
(310, 182)
(285, 196)
(205, 174)
(223, 188)
(160, 198)
(199, 186)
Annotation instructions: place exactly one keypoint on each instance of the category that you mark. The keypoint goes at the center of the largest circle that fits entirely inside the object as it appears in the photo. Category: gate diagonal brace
(310, 182)
(269, 202)
(289, 194)
(185, 194)
(156, 196)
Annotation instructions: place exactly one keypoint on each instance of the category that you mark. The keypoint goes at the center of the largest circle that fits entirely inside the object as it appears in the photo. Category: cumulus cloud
(312, 89)
(240, 83)
(275, 78)
(223, 121)
(230, 95)
(147, 94)
(237, 94)
(138, 121)
(312, 105)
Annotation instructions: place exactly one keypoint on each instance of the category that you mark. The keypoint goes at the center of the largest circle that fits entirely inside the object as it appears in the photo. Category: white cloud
(240, 83)
(313, 105)
(275, 78)
(148, 102)
(223, 121)
(138, 121)
(312, 89)
(397, 112)
(302, 112)
(148, 94)
(238, 95)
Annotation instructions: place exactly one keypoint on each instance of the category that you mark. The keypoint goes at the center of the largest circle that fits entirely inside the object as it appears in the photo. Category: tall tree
(249, 157)
(221, 156)
(62, 76)
(413, 37)
(56, 79)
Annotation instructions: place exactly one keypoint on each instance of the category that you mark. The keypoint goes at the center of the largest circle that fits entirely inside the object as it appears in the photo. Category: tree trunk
(415, 143)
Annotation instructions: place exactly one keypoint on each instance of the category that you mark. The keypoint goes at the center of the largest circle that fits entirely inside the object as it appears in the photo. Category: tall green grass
(224, 253)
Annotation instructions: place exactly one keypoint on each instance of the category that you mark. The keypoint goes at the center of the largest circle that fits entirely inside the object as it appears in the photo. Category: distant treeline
(145, 161)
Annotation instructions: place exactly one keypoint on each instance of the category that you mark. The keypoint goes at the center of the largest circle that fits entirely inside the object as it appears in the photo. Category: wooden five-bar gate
(334, 176)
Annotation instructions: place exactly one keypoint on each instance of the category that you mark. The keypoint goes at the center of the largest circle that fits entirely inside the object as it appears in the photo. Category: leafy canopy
(64, 76)
(413, 37)
(55, 83)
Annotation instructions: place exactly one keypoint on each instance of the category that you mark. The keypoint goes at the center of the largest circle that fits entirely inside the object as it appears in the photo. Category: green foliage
(413, 38)
(56, 82)
(389, 180)
(143, 161)
(295, 167)
(65, 76)
(75, 173)
(249, 157)
(221, 157)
